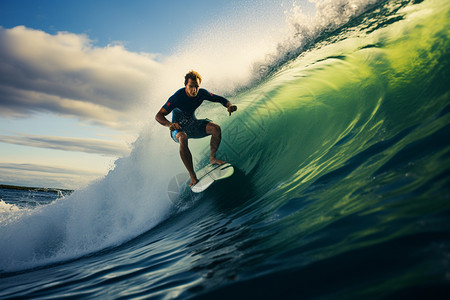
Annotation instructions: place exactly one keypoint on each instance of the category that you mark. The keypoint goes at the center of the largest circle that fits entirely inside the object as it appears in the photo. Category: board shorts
(195, 129)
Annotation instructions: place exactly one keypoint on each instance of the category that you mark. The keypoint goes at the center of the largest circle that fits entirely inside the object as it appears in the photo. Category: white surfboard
(211, 173)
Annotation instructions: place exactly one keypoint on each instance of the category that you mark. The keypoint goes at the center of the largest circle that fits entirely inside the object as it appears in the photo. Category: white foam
(304, 26)
(130, 200)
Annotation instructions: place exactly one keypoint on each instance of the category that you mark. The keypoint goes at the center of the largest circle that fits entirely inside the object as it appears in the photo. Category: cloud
(87, 145)
(45, 169)
(66, 75)
(45, 176)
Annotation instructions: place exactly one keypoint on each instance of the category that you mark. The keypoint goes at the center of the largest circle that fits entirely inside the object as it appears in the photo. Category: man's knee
(213, 129)
(182, 137)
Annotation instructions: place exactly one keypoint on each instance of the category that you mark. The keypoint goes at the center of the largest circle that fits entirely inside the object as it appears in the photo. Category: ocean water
(341, 147)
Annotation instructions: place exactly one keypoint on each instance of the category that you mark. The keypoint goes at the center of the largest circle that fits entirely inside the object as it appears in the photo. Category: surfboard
(211, 173)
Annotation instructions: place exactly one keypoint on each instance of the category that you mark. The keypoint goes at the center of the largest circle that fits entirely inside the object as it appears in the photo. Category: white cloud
(87, 145)
(66, 75)
(45, 169)
(45, 176)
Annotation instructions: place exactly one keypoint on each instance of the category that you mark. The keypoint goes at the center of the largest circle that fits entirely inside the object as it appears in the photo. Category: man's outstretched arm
(216, 98)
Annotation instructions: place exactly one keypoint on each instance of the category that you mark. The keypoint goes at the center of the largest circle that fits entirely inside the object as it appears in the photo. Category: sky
(79, 80)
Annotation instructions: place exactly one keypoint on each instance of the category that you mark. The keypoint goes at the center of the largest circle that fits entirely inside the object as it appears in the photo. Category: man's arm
(216, 98)
(161, 118)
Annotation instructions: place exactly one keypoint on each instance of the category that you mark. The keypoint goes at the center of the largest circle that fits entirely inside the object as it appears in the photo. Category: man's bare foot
(216, 161)
(193, 181)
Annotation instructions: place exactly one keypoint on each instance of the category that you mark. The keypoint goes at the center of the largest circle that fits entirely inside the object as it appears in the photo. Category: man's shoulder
(174, 100)
(181, 92)
(178, 95)
(204, 93)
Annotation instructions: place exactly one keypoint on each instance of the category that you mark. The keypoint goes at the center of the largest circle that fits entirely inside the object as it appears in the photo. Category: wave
(335, 103)
(305, 30)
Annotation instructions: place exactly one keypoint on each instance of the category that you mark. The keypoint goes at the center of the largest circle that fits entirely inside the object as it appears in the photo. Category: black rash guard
(183, 107)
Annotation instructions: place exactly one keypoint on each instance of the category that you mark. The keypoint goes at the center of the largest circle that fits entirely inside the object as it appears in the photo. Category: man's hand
(232, 108)
(174, 126)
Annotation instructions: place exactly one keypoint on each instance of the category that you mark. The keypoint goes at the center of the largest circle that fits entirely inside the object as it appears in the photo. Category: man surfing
(185, 125)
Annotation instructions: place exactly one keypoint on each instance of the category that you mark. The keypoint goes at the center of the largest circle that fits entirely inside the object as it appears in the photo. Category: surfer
(184, 125)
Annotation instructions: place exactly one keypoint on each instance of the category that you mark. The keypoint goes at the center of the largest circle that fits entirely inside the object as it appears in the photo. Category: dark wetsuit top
(183, 109)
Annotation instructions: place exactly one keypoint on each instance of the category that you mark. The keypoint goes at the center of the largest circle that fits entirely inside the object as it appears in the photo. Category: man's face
(192, 87)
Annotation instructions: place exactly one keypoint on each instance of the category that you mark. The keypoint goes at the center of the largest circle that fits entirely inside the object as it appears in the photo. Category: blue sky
(133, 22)
(80, 79)
(143, 25)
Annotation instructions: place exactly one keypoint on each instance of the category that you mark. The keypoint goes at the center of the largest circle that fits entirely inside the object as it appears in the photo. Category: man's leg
(186, 156)
(216, 136)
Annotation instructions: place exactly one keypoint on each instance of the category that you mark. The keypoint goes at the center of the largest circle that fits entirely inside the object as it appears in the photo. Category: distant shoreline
(38, 189)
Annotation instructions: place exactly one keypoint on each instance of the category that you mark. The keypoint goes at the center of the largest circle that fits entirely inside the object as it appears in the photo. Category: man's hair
(192, 75)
